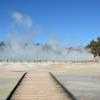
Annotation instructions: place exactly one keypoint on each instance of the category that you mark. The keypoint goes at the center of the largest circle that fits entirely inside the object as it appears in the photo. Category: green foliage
(95, 47)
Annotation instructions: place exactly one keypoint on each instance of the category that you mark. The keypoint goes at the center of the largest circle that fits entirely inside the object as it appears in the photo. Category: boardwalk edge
(64, 88)
(13, 90)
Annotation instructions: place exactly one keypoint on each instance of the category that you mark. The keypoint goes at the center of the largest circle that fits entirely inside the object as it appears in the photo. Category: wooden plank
(39, 86)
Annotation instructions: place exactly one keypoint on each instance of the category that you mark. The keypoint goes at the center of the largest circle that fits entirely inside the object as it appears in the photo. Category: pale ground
(81, 79)
(82, 68)
(8, 81)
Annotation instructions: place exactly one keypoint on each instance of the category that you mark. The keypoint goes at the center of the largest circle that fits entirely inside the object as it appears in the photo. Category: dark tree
(94, 45)
(2, 43)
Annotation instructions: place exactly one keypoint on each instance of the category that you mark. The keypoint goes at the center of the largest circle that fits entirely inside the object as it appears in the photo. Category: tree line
(94, 46)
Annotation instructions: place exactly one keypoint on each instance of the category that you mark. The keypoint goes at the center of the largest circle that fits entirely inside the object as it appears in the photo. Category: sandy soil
(82, 68)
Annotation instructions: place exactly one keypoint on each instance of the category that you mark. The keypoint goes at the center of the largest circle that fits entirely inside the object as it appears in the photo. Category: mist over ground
(19, 46)
(45, 52)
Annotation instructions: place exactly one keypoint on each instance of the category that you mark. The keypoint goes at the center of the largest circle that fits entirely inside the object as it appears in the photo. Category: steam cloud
(21, 19)
(17, 49)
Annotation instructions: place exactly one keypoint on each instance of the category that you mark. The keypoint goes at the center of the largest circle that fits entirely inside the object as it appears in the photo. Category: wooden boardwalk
(39, 86)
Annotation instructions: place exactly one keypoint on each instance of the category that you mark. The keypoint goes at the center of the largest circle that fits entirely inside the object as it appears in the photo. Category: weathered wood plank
(39, 86)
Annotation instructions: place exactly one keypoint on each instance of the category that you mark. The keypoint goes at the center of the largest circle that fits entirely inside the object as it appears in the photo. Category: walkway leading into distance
(39, 86)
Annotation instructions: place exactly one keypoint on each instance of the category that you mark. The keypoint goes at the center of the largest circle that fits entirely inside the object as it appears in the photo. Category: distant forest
(94, 46)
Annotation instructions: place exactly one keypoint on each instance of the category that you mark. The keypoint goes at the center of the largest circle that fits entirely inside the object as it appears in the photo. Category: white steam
(21, 19)
(20, 48)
